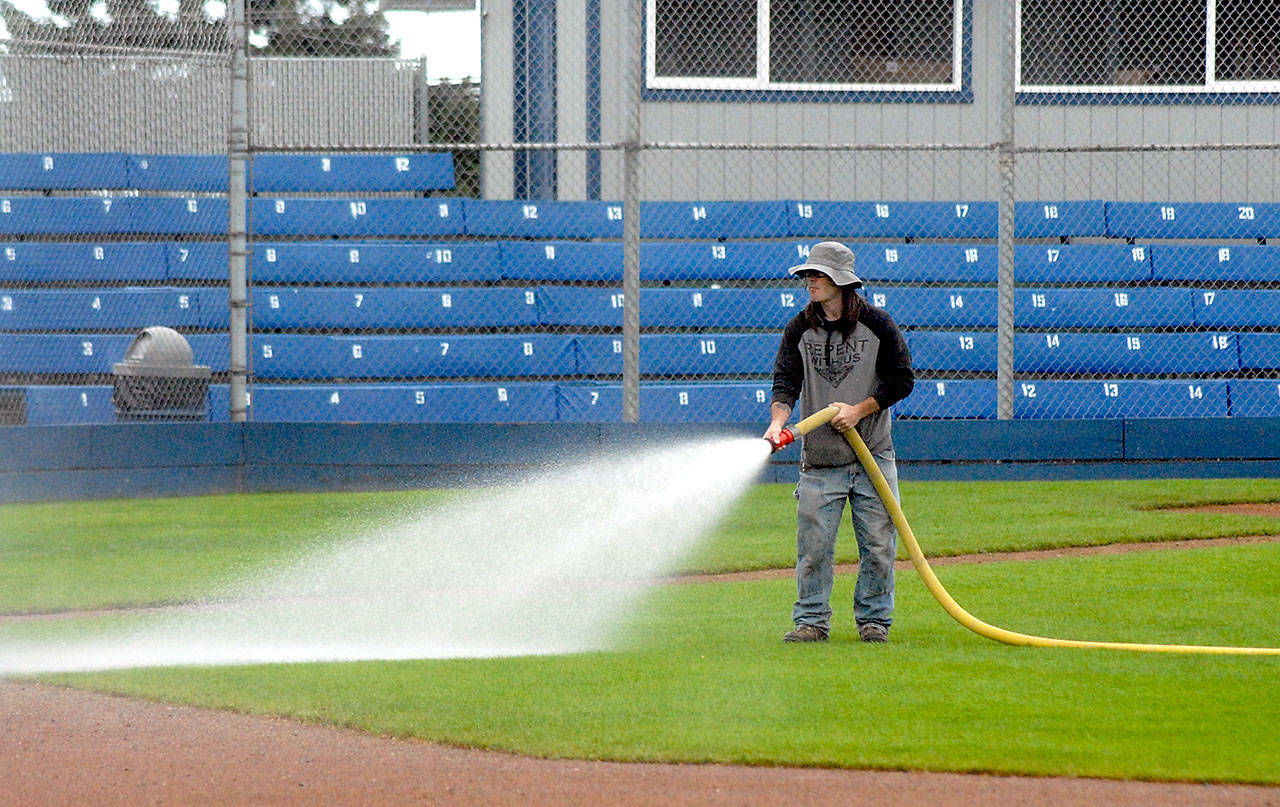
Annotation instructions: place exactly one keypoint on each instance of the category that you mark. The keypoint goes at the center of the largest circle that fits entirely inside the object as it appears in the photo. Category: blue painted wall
(133, 460)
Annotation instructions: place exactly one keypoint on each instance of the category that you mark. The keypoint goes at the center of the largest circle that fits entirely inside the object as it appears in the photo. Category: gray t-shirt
(821, 365)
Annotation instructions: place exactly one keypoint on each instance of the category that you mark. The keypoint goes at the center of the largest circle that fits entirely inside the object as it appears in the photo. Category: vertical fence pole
(631, 218)
(1005, 157)
(237, 204)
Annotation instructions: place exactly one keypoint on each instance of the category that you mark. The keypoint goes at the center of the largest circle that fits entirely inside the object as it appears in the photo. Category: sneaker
(806, 633)
(873, 632)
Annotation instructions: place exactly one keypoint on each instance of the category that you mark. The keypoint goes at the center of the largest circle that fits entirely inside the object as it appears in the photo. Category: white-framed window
(1144, 46)
(804, 45)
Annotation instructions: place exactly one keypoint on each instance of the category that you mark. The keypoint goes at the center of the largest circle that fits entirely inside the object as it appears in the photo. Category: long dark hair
(849, 315)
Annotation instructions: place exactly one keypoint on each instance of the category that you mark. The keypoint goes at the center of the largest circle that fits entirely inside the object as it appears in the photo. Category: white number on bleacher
(326, 164)
(267, 352)
(684, 399)
(99, 253)
(6, 303)
(1111, 390)
(358, 209)
(271, 255)
(957, 301)
(529, 298)
(86, 348)
(192, 207)
(529, 211)
(1209, 296)
(84, 399)
(1195, 392)
(502, 394)
(1139, 254)
(446, 301)
(5, 206)
(357, 351)
(804, 211)
(335, 399)
(890, 255)
(1121, 298)
(882, 211)
(1221, 341)
(96, 305)
(184, 301)
(402, 164)
(353, 256)
(1028, 390)
(106, 205)
(528, 348)
(966, 342)
(1245, 213)
(279, 205)
(1051, 255)
(443, 210)
(182, 255)
(697, 299)
(878, 300)
(444, 256)
(1224, 254)
(613, 213)
(699, 212)
(802, 250)
(419, 397)
(971, 255)
(962, 211)
(48, 163)
(273, 301)
(1133, 342)
(616, 300)
(444, 348)
(10, 254)
(1052, 341)
(1039, 301)
(1050, 211)
(717, 252)
(788, 300)
(359, 299)
(595, 397)
(761, 397)
(1168, 213)
(708, 346)
(941, 388)
(617, 345)
(549, 252)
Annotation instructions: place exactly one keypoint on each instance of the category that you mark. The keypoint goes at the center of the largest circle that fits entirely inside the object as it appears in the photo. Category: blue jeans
(820, 499)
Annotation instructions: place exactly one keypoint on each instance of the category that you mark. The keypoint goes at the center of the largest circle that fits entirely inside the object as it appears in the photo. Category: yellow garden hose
(952, 607)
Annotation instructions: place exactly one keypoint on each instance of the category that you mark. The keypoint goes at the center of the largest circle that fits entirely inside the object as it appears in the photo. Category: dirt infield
(66, 747)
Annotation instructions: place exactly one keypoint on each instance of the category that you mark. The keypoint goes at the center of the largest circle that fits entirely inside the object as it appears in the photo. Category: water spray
(944, 598)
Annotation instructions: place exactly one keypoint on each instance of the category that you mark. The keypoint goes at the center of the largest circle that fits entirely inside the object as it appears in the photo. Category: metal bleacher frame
(131, 240)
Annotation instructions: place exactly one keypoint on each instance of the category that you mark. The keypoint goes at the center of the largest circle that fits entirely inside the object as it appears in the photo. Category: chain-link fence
(1067, 208)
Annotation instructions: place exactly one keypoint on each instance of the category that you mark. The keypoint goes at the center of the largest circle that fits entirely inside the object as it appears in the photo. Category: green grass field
(699, 673)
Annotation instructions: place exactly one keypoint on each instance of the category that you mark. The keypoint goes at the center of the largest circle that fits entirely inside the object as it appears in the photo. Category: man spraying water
(840, 348)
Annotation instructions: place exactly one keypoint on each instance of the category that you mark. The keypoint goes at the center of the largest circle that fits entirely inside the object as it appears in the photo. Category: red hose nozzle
(785, 438)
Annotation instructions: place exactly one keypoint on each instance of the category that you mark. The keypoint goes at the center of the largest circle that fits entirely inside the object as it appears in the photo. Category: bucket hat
(832, 259)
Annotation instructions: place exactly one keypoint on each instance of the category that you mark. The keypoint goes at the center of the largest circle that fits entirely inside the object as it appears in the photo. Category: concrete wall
(122, 461)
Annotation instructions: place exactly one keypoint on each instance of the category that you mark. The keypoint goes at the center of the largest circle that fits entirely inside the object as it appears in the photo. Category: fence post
(631, 219)
(1005, 280)
(237, 224)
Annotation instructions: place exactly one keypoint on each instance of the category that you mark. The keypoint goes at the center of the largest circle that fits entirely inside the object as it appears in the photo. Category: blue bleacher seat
(1237, 308)
(97, 309)
(682, 354)
(713, 220)
(405, 403)
(93, 352)
(543, 219)
(36, 262)
(213, 309)
(1064, 219)
(1255, 398)
(1259, 351)
(937, 307)
(63, 171)
(205, 261)
(963, 398)
(293, 356)
(958, 351)
(713, 402)
(926, 263)
(357, 217)
(1192, 220)
(712, 308)
(1215, 262)
(69, 215)
(582, 306)
(1082, 263)
(372, 308)
(1118, 353)
(1102, 308)
(171, 216)
(338, 173)
(1125, 398)
(58, 405)
(360, 262)
(892, 219)
(660, 262)
(565, 261)
(207, 173)
(452, 356)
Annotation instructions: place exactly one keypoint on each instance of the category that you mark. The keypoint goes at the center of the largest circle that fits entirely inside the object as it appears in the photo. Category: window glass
(705, 38)
(1247, 47)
